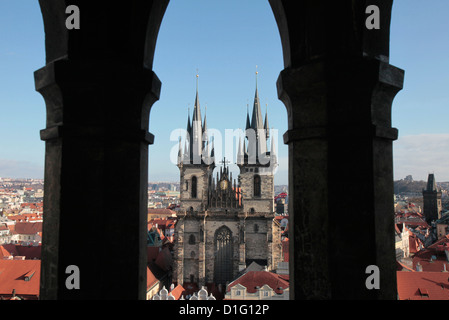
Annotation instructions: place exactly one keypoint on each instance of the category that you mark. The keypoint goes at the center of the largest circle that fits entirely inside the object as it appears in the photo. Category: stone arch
(337, 87)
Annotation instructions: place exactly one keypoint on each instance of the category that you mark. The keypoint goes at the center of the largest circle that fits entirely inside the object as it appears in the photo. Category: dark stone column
(98, 87)
(338, 89)
(341, 176)
(96, 178)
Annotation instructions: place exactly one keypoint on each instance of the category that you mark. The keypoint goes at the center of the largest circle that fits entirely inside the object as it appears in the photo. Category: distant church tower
(225, 224)
(432, 200)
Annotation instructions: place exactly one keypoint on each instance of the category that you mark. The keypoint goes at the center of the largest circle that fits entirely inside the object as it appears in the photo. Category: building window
(223, 266)
(257, 185)
(194, 186)
(256, 228)
(192, 239)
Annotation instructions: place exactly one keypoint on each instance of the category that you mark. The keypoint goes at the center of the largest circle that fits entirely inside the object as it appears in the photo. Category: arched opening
(257, 186)
(223, 263)
(104, 149)
(194, 187)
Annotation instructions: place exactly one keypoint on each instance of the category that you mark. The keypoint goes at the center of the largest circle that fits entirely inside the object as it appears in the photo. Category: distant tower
(432, 200)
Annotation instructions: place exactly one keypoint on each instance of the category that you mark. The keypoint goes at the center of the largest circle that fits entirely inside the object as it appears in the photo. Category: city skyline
(223, 43)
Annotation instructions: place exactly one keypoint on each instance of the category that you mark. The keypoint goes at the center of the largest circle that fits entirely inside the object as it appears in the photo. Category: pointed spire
(248, 122)
(197, 110)
(273, 154)
(431, 183)
(205, 122)
(260, 147)
(256, 121)
(179, 151)
(245, 151)
(206, 152)
(266, 125)
(196, 143)
(189, 125)
(240, 154)
(212, 152)
(257, 72)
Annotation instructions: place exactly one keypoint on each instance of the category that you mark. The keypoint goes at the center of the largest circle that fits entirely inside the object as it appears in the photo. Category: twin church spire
(198, 149)
(257, 133)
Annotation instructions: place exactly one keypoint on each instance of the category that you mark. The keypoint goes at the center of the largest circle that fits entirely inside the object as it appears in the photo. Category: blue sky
(225, 40)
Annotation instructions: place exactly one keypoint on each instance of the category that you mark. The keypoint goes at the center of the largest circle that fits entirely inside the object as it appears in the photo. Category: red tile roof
(253, 279)
(178, 291)
(164, 259)
(151, 279)
(28, 227)
(6, 252)
(161, 212)
(431, 260)
(29, 252)
(423, 285)
(23, 276)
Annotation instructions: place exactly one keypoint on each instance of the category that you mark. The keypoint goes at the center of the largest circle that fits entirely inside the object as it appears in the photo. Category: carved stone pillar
(338, 89)
(96, 178)
(98, 87)
(341, 176)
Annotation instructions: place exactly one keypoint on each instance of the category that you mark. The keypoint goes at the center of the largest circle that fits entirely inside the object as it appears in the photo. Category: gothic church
(224, 225)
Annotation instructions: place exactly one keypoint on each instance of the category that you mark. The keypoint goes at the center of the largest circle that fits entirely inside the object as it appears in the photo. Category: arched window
(194, 185)
(191, 239)
(223, 255)
(257, 185)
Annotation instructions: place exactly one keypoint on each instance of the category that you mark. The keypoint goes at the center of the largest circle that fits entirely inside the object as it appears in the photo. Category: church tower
(225, 224)
(256, 163)
(432, 206)
(196, 163)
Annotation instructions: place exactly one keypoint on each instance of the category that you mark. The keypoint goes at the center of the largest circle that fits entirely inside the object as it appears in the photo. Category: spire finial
(197, 75)
(257, 72)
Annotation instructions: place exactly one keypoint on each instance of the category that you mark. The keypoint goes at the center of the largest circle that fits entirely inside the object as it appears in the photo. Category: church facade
(225, 224)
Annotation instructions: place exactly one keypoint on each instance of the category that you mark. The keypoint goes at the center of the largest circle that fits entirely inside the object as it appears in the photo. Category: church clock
(224, 184)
